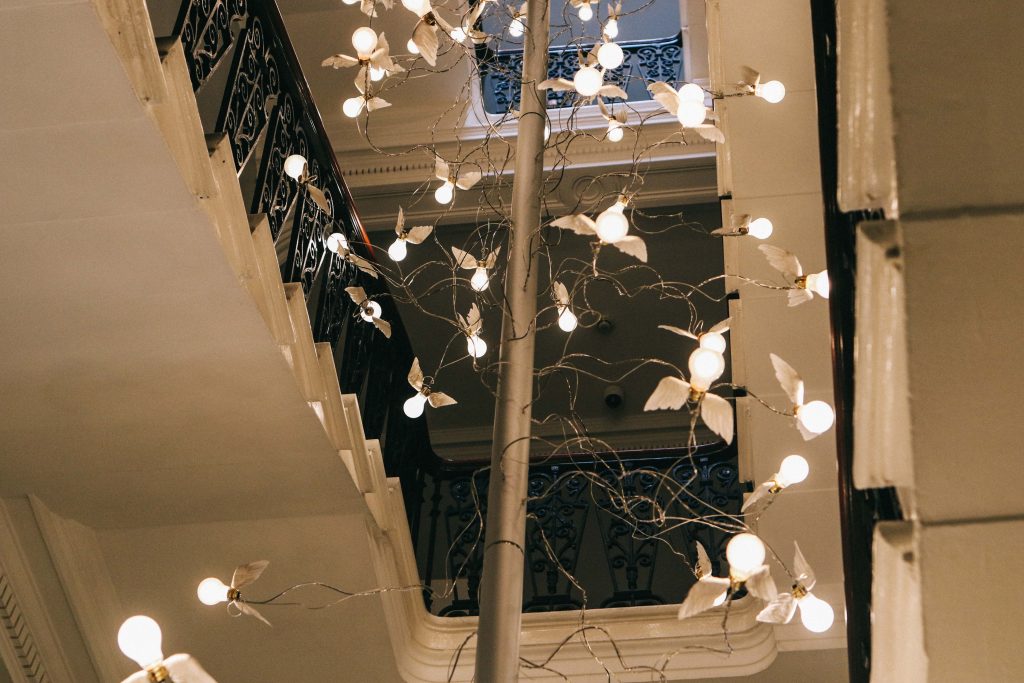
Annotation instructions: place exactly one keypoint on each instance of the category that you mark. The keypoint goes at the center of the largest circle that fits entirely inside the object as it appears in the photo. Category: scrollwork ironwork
(205, 28)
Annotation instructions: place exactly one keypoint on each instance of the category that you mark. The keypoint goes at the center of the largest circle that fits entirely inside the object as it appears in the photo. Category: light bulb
(364, 40)
(547, 131)
(294, 166)
(772, 91)
(352, 106)
(476, 346)
(413, 407)
(720, 599)
(445, 193)
(412, 47)
(816, 416)
(350, 2)
(458, 34)
(745, 554)
(793, 470)
(371, 311)
(815, 614)
(712, 341)
(516, 27)
(611, 28)
(480, 280)
(212, 591)
(587, 81)
(761, 228)
(586, 13)
(139, 639)
(418, 7)
(610, 56)
(336, 241)
(398, 250)
(818, 283)
(615, 131)
(612, 224)
(567, 319)
(377, 73)
(706, 365)
(691, 92)
(691, 113)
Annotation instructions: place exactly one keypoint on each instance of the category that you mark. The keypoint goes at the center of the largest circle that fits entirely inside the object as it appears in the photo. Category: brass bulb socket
(799, 591)
(158, 673)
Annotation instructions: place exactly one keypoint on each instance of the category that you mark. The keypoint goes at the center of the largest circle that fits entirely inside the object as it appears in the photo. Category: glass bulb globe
(761, 228)
(610, 56)
(352, 106)
(364, 40)
(615, 131)
(691, 113)
(377, 74)
(793, 470)
(567, 320)
(712, 341)
(350, 2)
(612, 224)
(772, 91)
(418, 7)
(336, 241)
(691, 92)
(815, 614)
(294, 166)
(458, 34)
(476, 346)
(212, 591)
(413, 407)
(706, 365)
(611, 28)
(818, 283)
(586, 13)
(139, 639)
(745, 554)
(516, 28)
(398, 250)
(816, 417)
(445, 193)
(480, 280)
(587, 81)
(412, 47)
(371, 311)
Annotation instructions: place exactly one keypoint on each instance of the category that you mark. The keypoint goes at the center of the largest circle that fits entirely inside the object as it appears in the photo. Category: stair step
(127, 25)
(303, 357)
(271, 300)
(226, 209)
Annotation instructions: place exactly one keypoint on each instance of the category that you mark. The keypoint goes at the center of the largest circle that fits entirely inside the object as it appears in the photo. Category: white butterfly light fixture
(742, 224)
(413, 407)
(463, 181)
(687, 105)
(588, 82)
(813, 418)
(337, 243)
(815, 614)
(611, 27)
(471, 325)
(672, 393)
(398, 249)
(804, 286)
(745, 553)
(517, 26)
(297, 168)
(772, 92)
(567, 320)
(793, 470)
(372, 51)
(212, 591)
(369, 310)
(611, 227)
(354, 106)
(481, 267)
(583, 8)
(424, 35)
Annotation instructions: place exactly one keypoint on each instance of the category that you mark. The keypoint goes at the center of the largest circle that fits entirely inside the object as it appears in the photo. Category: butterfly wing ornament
(491, 259)
(717, 415)
(611, 90)
(671, 393)
(437, 399)
(703, 561)
(757, 501)
(778, 611)
(710, 133)
(721, 327)
(737, 228)
(318, 196)
(760, 585)
(560, 293)
(383, 325)
(464, 259)
(665, 95)
(468, 179)
(340, 61)
(441, 169)
(678, 330)
(804, 574)
(381, 57)
(788, 379)
(556, 84)
(472, 323)
(709, 591)
(243, 576)
(361, 263)
(783, 261)
(424, 37)
(416, 375)
(357, 294)
(418, 234)
(578, 223)
(633, 246)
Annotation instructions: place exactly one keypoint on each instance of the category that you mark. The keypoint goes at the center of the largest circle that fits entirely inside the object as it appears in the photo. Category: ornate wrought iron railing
(644, 61)
(577, 527)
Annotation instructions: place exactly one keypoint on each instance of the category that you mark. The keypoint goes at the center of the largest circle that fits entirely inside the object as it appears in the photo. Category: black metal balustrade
(644, 61)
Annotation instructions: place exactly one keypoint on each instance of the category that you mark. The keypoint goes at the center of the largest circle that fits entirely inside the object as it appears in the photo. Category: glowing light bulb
(364, 40)
(352, 106)
(413, 407)
(458, 34)
(377, 73)
(212, 591)
(818, 283)
(761, 228)
(815, 614)
(712, 341)
(586, 13)
(336, 241)
(412, 47)
(691, 113)
(611, 28)
(615, 131)
(816, 417)
(398, 250)
(139, 639)
(610, 56)
(418, 7)
(720, 599)
(371, 311)
(547, 131)
(350, 2)
(706, 366)
(480, 280)
(771, 92)
(476, 346)
(445, 193)
(793, 470)
(587, 81)
(612, 224)
(295, 166)
(567, 320)
(691, 92)
(745, 554)
(516, 27)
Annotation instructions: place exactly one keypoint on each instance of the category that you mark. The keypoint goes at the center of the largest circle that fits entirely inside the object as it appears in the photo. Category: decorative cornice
(21, 645)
